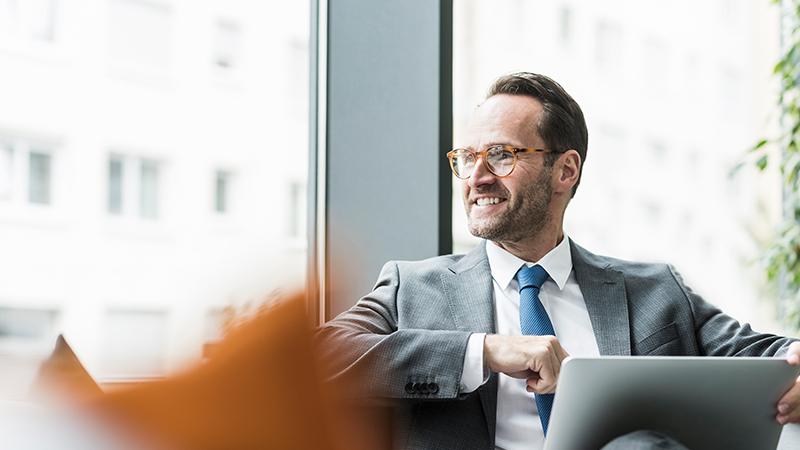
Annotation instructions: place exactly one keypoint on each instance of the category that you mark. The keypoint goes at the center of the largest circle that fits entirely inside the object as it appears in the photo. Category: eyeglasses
(500, 160)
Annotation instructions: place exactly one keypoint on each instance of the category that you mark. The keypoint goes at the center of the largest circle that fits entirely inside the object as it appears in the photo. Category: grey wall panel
(388, 128)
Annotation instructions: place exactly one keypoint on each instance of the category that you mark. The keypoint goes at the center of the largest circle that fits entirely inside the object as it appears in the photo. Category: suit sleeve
(365, 350)
(719, 334)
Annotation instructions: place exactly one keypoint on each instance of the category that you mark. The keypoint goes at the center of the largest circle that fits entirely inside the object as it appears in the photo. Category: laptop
(703, 402)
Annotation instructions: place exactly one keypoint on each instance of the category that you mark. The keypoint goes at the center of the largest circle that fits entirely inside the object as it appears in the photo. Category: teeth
(487, 201)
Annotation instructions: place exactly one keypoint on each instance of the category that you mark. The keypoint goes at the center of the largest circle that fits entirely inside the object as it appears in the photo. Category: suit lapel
(468, 286)
(603, 290)
(470, 294)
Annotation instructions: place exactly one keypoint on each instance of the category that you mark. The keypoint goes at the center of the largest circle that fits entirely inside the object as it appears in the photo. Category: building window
(609, 41)
(658, 151)
(26, 323)
(297, 209)
(222, 187)
(227, 45)
(148, 189)
(134, 186)
(657, 64)
(140, 33)
(40, 20)
(565, 24)
(28, 20)
(115, 184)
(39, 174)
(27, 171)
(134, 342)
(6, 171)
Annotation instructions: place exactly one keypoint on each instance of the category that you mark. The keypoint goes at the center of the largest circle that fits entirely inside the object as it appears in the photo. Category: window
(39, 20)
(115, 184)
(608, 47)
(137, 195)
(133, 343)
(140, 33)
(39, 173)
(28, 20)
(565, 24)
(658, 151)
(657, 64)
(26, 323)
(729, 81)
(222, 181)
(27, 171)
(149, 187)
(227, 44)
(297, 210)
(297, 76)
(6, 171)
(8, 17)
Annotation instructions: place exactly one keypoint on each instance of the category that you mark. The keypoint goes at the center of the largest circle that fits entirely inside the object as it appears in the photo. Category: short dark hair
(561, 125)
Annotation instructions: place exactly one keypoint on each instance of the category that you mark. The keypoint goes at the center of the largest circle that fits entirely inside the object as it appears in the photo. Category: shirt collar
(504, 266)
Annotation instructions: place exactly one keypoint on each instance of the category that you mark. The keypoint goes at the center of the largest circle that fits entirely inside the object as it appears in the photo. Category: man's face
(514, 207)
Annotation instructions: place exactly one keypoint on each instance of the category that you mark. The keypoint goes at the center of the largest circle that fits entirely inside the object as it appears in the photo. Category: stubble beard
(525, 216)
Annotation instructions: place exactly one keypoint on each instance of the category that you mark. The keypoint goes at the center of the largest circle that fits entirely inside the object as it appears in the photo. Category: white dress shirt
(518, 425)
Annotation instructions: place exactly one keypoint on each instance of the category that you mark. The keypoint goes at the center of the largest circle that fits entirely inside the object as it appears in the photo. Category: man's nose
(480, 175)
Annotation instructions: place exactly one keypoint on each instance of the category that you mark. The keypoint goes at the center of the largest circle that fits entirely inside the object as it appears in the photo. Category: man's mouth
(486, 201)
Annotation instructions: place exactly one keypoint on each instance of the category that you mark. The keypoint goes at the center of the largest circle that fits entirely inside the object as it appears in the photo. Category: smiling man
(471, 345)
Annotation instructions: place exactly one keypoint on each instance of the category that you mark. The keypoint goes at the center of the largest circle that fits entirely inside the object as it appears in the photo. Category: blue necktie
(533, 320)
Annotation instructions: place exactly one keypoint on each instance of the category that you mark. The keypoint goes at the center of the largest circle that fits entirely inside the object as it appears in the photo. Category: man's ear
(568, 170)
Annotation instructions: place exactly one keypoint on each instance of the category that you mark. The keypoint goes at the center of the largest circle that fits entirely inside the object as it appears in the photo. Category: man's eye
(501, 155)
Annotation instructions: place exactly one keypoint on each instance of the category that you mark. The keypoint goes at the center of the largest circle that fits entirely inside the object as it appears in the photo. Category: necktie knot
(534, 276)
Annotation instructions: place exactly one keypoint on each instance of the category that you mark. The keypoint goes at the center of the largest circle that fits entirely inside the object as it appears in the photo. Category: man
(473, 344)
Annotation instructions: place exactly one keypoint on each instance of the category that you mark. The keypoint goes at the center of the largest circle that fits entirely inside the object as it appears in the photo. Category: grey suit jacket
(407, 338)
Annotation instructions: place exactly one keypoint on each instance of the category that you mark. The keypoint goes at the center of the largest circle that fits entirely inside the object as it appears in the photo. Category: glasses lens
(463, 163)
(500, 160)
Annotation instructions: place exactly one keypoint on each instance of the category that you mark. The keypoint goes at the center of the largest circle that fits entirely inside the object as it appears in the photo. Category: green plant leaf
(761, 162)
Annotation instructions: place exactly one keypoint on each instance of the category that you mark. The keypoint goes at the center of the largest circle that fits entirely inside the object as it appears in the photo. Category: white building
(153, 156)
(673, 94)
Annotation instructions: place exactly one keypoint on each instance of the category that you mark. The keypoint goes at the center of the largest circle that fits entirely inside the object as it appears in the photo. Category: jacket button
(433, 388)
(416, 388)
(409, 388)
(423, 388)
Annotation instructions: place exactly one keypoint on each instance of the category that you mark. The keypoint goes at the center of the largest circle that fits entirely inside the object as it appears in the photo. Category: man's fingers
(793, 354)
(547, 374)
(555, 364)
(540, 386)
(548, 366)
(562, 354)
(545, 382)
(546, 377)
(530, 382)
(788, 406)
(522, 374)
(541, 356)
(792, 417)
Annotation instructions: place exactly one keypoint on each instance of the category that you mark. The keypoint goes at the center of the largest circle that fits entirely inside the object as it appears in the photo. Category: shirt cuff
(474, 373)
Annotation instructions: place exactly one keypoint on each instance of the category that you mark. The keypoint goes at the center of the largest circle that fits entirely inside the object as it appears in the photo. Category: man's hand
(789, 404)
(534, 358)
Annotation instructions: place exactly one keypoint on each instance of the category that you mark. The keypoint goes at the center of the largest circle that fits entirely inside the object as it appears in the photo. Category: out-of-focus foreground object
(63, 374)
(258, 390)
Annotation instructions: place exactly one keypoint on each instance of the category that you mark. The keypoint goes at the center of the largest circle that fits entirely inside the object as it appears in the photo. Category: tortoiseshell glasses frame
(500, 160)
